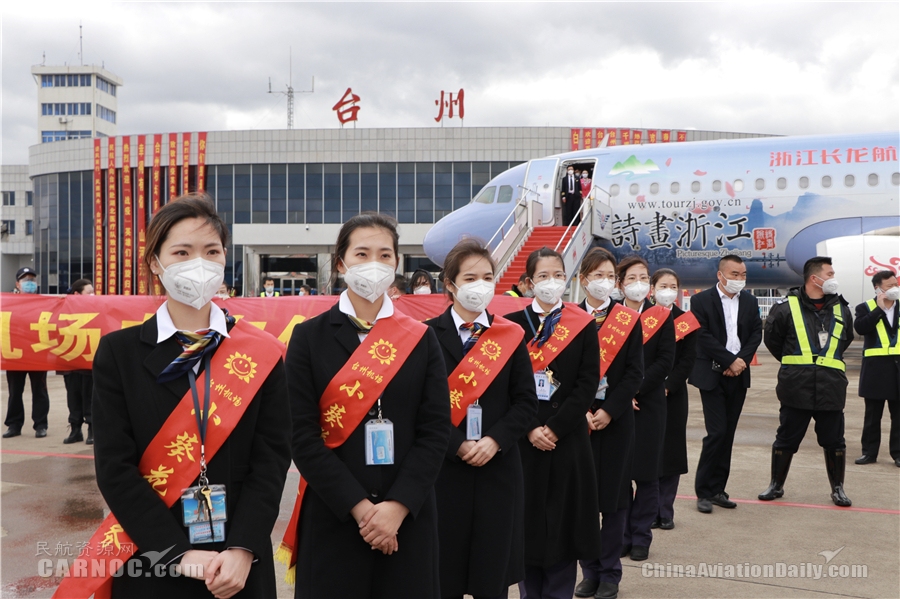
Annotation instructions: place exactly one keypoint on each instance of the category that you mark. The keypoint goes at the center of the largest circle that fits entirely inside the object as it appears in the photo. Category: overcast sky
(769, 68)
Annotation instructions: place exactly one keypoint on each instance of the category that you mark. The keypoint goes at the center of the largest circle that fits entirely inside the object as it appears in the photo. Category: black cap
(25, 270)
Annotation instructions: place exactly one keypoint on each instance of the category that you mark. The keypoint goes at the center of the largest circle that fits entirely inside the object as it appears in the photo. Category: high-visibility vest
(885, 348)
(826, 357)
(263, 294)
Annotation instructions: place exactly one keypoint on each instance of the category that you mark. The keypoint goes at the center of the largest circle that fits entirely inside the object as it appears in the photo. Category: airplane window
(614, 189)
(633, 190)
(738, 185)
(849, 180)
(505, 195)
(804, 182)
(654, 188)
(675, 187)
(760, 184)
(873, 179)
(717, 185)
(826, 181)
(895, 178)
(486, 196)
(782, 182)
(695, 186)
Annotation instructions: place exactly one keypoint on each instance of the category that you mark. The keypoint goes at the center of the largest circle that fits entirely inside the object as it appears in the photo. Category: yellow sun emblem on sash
(624, 318)
(491, 349)
(241, 366)
(383, 351)
(683, 326)
(651, 322)
(561, 332)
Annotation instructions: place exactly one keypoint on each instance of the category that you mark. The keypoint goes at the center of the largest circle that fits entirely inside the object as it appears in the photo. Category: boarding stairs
(551, 237)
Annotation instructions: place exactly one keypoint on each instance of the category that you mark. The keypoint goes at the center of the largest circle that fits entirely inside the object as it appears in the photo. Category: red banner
(601, 133)
(44, 332)
(173, 166)
(682, 136)
(612, 138)
(98, 219)
(651, 136)
(127, 220)
(156, 199)
(636, 137)
(576, 139)
(185, 162)
(112, 229)
(588, 138)
(201, 161)
(141, 209)
(626, 137)
(666, 136)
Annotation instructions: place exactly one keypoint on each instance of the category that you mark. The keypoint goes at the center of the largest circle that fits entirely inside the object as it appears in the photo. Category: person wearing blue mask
(26, 282)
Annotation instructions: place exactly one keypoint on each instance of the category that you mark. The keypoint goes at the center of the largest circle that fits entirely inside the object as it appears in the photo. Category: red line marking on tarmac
(814, 506)
(47, 454)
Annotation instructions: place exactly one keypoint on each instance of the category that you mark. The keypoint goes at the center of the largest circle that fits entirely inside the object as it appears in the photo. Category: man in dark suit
(730, 332)
(571, 195)
(879, 379)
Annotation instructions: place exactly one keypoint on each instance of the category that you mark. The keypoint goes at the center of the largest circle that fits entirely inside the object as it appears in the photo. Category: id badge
(194, 509)
(823, 339)
(379, 443)
(601, 390)
(473, 423)
(203, 533)
(542, 385)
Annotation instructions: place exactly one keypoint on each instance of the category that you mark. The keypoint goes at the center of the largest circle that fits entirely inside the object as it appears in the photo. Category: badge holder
(545, 384)
(379, 441)
(823, 339)
(473, 422)
(601, 390)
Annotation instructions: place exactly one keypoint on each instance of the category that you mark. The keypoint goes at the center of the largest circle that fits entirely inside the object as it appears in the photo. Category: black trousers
(721, 411)
(79, 390)
(871, 432)
(794, 422)
(40, 400)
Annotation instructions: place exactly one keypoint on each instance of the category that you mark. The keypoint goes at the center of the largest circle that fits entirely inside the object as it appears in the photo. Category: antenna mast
(80, 46)
(290, 89)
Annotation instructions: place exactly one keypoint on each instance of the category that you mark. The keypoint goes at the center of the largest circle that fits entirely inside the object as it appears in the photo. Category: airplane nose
(442, 236)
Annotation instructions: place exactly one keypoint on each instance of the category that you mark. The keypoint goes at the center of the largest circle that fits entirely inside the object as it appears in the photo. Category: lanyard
(202, 416)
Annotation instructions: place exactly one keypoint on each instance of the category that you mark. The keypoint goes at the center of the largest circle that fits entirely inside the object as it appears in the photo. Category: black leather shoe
(865, 459)
(626, 549)
(607, 590)
(90, 436)
(40, 433)
(704, 506)
(655, 524)
(639, 553)
(12, 432)
(666, 523)
(74, 436)
(722, 500)
(897, 462)
(587, 587)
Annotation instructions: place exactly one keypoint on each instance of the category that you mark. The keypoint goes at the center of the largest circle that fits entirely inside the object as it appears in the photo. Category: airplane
(774, 201)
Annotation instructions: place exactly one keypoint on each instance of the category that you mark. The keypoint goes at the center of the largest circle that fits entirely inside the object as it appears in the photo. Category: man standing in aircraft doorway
(571, 195)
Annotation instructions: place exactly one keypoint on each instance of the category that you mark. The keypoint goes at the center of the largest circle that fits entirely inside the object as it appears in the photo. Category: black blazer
(712, 336)
(880, 375)
(564, 189)
(129, 408)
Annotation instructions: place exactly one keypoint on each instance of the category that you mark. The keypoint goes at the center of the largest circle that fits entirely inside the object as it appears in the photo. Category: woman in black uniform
(611, 420)
(664, 286)
(370, 406)
(480, 489)
(561, 524)
(649, 404)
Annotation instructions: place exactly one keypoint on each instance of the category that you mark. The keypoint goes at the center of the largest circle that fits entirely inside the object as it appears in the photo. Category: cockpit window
(505, 195)
(486, 196)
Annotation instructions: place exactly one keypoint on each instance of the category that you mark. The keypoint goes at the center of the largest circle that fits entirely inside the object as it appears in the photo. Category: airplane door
(540, 185)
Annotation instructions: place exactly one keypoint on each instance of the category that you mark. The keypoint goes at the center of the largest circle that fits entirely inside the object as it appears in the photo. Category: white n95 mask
(600, 289)
(666, 297)
(637, 291)
(550, 291)
(369, 280)
(475, 296)
(192, 282)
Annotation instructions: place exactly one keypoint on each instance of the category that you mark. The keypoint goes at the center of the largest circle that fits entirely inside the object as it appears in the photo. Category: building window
(873, 179)
(106, 114)
(9, 198)
(8, 227)
(804, 182)
(46, 80)
(106, 86)
(29, 198)
(29, 227)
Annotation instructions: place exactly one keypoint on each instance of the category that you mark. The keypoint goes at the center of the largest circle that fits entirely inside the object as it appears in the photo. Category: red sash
(572, 322)
(614, 333)
(651, 319)
(478, 369)
(348, 398)
(685, 324)
(171, 462)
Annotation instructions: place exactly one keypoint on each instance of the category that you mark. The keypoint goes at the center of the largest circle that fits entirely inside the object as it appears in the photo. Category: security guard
(808, 333)
(879, 378)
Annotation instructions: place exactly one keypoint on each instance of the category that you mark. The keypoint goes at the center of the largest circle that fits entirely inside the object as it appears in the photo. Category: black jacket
(800, 386)
(130, 407)
(880, 375)
(712, 336)
(564, 189)
(481, 510)
(674, 460)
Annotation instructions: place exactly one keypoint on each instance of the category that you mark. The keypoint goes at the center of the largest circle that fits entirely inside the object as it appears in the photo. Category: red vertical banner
(626, 137)
(173, 166)
(601, 133)
(576, 139)
(666, 136)
(682, 136)
(127, 219)
(651, 136)
(112, 229)
(588, 135)
(98, 219)
(185, 162)
(201, 161)
(636, 137)
(156, 183)
(612, 138)
(141, 209)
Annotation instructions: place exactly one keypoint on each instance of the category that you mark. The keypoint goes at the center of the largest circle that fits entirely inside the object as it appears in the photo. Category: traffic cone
(755, 361)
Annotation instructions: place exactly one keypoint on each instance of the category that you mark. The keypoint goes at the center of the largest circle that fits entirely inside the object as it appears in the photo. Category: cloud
(771, 68)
